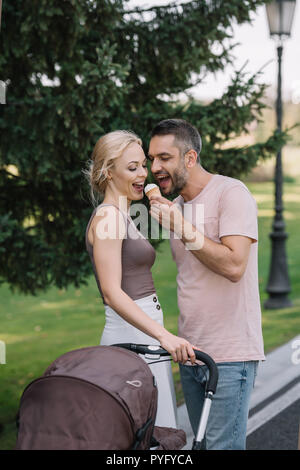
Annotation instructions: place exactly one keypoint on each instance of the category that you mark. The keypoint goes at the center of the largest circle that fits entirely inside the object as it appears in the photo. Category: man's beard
(179, 180)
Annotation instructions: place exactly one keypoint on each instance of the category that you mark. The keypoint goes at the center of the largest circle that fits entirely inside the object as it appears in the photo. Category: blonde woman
(122, 259)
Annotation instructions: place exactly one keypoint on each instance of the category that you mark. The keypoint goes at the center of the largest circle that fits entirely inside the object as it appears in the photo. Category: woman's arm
(107, 256)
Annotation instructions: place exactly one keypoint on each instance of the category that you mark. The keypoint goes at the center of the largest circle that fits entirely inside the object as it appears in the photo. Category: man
(217, 281)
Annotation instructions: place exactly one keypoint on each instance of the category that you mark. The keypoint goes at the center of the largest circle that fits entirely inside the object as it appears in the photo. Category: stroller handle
(200, 355)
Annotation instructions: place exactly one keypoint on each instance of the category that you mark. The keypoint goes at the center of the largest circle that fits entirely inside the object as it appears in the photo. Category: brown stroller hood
(101, 397)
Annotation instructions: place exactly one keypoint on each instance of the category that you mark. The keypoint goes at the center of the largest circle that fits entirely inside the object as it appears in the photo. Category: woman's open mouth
(138, 187)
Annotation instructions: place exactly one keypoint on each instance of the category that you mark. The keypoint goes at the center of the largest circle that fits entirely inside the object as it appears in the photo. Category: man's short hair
(186, 136)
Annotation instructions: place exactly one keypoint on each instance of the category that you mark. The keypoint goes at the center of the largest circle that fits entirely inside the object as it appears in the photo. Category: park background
(38, 328)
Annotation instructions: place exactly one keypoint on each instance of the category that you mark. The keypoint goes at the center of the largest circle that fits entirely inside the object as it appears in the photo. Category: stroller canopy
(100, 397)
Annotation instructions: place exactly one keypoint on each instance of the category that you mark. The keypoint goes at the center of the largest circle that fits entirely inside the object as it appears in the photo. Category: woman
(122, 259)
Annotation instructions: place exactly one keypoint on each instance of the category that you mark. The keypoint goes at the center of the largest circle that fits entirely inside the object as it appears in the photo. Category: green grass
(38, 329)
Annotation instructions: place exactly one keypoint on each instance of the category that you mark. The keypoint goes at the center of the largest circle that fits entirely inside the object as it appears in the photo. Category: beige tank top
(138, 256)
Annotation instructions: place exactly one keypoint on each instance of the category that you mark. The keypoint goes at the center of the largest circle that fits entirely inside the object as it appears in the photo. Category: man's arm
(228, 258)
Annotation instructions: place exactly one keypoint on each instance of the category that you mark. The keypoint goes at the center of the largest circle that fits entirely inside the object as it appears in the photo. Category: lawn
(36, 330)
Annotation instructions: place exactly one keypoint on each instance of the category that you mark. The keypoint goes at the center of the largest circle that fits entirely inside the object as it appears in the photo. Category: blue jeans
(227, 422)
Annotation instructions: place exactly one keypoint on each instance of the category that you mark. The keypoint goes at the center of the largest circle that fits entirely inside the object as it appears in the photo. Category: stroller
(102, 397)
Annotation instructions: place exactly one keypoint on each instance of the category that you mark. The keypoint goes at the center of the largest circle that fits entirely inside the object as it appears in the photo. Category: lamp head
(280, 14)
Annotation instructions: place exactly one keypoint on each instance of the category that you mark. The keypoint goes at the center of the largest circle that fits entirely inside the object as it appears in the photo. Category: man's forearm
(216, 256)
(219, 257)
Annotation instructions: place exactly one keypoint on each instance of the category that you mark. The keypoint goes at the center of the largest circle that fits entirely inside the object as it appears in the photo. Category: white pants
(117, 330)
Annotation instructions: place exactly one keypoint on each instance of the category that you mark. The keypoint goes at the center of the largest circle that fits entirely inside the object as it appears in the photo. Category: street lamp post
(2, 84)
(280, 17)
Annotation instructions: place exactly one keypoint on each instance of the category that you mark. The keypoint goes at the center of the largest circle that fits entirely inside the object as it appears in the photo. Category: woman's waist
(138, 287)
(149, 300)
(149, 304)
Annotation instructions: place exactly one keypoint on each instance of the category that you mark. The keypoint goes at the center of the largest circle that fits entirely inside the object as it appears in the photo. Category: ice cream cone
(152, 190)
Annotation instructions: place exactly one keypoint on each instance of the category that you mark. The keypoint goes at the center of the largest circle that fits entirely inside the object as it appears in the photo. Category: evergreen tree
(76, 69)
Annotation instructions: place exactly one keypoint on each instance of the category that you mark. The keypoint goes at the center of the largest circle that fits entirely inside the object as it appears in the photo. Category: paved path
(275, 403)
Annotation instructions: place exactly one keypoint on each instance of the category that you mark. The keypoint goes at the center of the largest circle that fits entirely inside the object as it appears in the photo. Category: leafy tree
(77, 69)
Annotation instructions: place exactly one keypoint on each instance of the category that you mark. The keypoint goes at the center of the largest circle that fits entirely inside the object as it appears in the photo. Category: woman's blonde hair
(109, 147)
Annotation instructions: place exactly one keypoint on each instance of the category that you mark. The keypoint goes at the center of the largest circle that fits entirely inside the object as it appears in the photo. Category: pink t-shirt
(220, 317)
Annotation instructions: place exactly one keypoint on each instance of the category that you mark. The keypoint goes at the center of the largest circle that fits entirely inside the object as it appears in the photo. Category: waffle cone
(153, 192)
